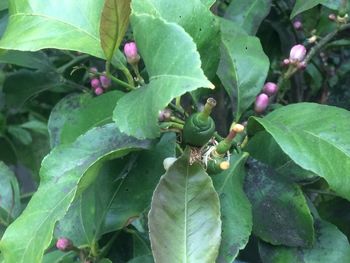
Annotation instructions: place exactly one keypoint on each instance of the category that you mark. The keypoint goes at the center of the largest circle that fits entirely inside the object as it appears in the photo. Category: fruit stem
(208, 107)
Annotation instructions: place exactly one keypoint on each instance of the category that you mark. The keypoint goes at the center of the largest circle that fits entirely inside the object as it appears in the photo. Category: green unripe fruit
(199, 127)
(197, 132)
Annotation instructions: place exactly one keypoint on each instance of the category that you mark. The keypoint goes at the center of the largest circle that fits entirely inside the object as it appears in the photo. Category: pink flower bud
(332, 17)
(297, 53)
(105, 81)
(261, 103)
(270, 88)
(64, 244)
(95, 83)
(297, 25)
(98, 91)
(286, 61)
(131, 53)
(93, 70)
(164, 115)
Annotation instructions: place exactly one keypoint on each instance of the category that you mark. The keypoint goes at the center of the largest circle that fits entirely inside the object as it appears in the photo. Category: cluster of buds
(262, 100)
(99, 83)
(296, 57)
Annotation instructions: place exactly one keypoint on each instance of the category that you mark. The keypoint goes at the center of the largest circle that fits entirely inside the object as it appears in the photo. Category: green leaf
(195, 17)
(303, 5)
(4, 5)
(23, 85)
(10, 205)
(331, 246)
(105, 260)
(288, 221)
(243, 66)
(36, 126)
(76, 114)
(33, 60)
(248, 14)
(236, 214)
(337, 212)
(316, 137)
(116, 196)
(184, 220)
(142, 259)
(262, 143)
(208, 3)
(65, 173)
(113, 25)
(72, 25)
(173, 67)
(147, 168)
(21, 135)
(59, 257)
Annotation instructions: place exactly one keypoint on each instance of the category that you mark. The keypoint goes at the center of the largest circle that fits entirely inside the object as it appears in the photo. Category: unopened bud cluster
(263, 99)
(297, 57)
(98, 83)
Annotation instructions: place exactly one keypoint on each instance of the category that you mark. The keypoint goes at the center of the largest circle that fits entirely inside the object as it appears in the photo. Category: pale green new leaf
(174, 68)
(37, 24)
(113, 25)
(65, 173)
(316, 137)
(197, 20)
(184, 220)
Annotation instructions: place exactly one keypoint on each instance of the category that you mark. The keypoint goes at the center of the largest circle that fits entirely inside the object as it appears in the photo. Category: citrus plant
(174, 131)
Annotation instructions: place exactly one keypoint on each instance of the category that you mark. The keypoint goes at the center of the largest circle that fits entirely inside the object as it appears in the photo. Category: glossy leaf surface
(316, 137)
(243, 66)
(77, 113)
(331, 245)
(236, 214)
(65, 173)
(72, 25)
(184, 220)
(194, 16)
(280, 212)
(137, 112)
(248, 14)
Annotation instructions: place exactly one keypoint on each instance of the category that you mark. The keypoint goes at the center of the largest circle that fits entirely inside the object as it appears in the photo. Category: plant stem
(324, 41)
(179, 110)
(313, 51)
(27, 195)
(127, 74)
(114, 79)
(107, 247)
(71, 63)
(175, 119)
